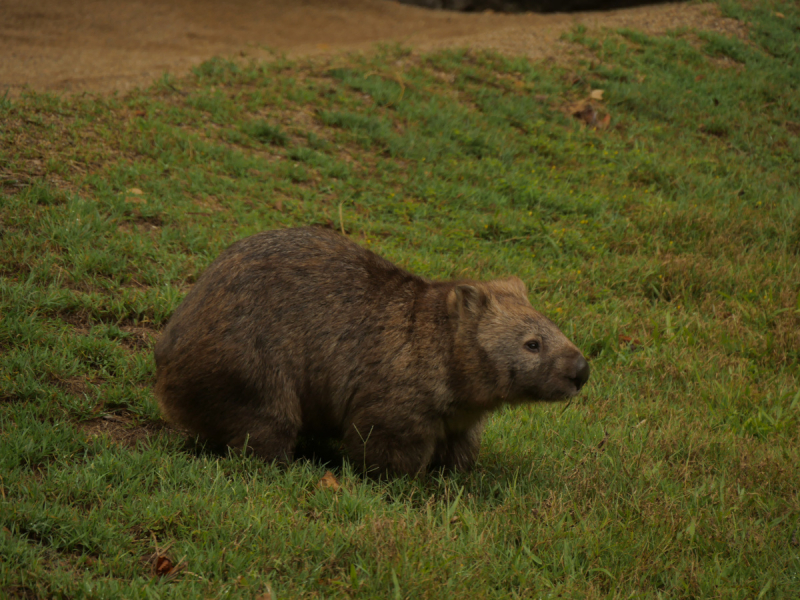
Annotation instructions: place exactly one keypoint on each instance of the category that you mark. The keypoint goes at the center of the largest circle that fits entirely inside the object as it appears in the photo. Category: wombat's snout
(581, 372)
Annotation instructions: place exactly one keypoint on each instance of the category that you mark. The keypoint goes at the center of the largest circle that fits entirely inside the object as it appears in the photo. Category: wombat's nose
(581, 372)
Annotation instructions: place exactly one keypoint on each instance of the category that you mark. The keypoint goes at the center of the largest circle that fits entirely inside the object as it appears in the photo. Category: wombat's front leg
(381, 446)
(459, 451)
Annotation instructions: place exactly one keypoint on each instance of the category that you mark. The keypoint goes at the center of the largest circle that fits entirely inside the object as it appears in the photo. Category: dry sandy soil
(106, 45)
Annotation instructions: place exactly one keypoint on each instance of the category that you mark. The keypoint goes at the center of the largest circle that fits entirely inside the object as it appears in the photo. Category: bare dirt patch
(75, 386)
(123, 429)
(106, 45)
(139, 338)
(80, 321)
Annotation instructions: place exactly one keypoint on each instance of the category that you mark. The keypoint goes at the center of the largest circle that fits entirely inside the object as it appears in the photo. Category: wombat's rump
(303, 331)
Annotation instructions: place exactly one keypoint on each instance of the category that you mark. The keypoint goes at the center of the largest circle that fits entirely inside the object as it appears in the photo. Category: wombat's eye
(533, 346)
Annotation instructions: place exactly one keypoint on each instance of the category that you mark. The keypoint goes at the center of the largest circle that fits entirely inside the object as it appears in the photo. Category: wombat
(302, 331)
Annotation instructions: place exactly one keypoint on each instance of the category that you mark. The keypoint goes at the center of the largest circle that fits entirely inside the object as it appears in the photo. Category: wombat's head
(531, 358)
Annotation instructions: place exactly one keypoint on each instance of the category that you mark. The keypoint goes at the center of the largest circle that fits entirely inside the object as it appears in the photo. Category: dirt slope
(105, 45)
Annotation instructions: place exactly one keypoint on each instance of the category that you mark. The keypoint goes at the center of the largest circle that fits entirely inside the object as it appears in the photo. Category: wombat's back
(275, 276)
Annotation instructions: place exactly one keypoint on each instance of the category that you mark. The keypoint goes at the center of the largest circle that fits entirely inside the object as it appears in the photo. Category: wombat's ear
(514, 285)
(465, 299)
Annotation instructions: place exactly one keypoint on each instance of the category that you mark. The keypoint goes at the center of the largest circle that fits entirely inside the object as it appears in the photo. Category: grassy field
(657, 223)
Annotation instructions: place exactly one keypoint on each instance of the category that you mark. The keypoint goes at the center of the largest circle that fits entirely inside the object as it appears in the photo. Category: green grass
(667, 246)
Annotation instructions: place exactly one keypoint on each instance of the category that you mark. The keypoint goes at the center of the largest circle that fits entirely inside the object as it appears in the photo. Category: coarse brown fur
(301, 331)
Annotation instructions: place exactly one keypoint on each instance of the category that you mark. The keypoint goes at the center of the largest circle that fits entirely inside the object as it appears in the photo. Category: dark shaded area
(320, 451)
(512, 6)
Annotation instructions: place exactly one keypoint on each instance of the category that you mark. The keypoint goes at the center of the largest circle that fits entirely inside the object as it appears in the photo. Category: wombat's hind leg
(379, 448)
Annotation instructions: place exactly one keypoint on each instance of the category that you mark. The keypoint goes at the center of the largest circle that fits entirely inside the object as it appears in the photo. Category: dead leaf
(589, 110)
(329, 482)
(780, 15)
(584, 111)
(575, 108)
(632, 342)
(163, 566)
